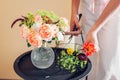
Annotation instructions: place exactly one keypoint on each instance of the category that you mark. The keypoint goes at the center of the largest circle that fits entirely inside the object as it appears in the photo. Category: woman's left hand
(92, 38)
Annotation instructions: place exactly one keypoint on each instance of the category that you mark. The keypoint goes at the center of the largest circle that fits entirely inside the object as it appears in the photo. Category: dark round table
(26, 70)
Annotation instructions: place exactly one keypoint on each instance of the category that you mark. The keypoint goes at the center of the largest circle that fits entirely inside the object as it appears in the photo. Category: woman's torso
(91, 10)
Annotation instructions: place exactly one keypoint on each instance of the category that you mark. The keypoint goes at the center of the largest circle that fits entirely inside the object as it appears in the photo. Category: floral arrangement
(72, 60)
(42, 26)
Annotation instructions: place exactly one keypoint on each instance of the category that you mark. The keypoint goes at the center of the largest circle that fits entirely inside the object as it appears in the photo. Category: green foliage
(70, 62)
(61, 23)
(29, 21)
(28, 44)
(48, 17)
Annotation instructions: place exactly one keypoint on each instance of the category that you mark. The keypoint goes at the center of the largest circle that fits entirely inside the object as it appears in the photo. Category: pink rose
(55, 30)
(24, 31)
(45, 31)
(34, 39)
(37, 18)
(38, 22)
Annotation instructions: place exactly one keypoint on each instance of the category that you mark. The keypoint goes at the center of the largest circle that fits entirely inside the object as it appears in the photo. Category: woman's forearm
(110, 8)
(75, 6)
(74, 13)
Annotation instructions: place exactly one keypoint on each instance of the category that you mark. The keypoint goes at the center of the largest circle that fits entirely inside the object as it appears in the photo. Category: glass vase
(42, 57)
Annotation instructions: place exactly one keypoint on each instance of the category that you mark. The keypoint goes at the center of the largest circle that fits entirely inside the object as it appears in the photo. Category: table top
(26, 70)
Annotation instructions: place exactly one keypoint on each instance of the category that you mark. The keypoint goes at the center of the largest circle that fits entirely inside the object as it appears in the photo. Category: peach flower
(37, 18)
(55, 30)
(38, 22)
(45, 31)
(34, 39)
(24, 31)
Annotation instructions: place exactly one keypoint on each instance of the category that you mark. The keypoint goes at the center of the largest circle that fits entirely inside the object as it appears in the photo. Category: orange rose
(34, 39)
(45, 32)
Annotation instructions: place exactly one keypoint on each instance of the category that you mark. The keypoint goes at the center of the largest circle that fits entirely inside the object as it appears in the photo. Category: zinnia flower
(70, 51)
(89, 48)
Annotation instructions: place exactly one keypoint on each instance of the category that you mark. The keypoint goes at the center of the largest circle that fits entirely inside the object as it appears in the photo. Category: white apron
(106, 63)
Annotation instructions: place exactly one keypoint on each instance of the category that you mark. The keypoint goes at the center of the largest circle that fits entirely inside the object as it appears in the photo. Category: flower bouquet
(39, 29)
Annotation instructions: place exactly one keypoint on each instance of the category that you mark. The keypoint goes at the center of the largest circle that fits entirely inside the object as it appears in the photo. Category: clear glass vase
(42, 57)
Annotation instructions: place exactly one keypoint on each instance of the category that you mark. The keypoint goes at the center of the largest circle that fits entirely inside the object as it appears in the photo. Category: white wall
(11, 43)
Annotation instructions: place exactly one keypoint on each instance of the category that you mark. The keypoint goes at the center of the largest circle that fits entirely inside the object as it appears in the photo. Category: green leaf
(49, 41)
(56, 40)
(81, 64)
(28, 44)
(63, 52)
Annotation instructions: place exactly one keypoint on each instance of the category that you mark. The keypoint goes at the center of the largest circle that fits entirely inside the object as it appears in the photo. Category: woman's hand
(92, 38)
(74, 18)
(74, 23)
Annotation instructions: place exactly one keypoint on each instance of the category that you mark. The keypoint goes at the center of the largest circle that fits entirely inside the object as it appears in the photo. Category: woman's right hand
(74, 22)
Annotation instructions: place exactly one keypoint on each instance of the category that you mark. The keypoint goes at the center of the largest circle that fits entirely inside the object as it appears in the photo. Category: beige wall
(11, 43)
